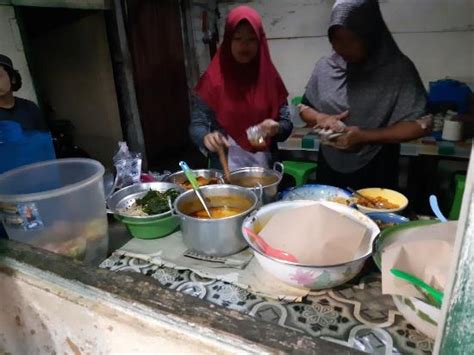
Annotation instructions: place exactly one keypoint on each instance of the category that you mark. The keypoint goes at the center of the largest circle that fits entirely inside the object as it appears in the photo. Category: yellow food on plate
(379, 202)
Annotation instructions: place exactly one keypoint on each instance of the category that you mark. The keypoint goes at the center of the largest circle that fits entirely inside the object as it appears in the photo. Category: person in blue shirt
(16, 109)
(13, 108)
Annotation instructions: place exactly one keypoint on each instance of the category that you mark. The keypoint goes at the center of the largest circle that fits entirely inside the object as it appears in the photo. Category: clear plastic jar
(256, 136)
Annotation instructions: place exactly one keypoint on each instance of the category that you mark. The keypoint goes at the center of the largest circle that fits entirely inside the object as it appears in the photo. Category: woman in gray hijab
(371, 87)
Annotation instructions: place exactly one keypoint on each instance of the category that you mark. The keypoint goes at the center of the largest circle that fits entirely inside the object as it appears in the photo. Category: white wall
(438, 35)
(12, 46)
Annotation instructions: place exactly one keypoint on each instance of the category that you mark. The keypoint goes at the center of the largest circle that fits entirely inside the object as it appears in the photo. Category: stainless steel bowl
(270, 191)
(215, 237)
(179, 177)
(126, 197)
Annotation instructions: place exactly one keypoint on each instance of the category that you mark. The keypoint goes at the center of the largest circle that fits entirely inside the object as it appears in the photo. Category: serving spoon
(192, 179)
(436, 210)
(436, 294)
(269, 250)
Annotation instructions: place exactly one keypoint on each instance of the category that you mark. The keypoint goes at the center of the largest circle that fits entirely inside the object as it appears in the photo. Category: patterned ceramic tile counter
(355, 315)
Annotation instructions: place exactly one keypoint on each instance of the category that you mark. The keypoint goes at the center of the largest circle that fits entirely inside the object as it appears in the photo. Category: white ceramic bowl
(314, 277)
(391, 195)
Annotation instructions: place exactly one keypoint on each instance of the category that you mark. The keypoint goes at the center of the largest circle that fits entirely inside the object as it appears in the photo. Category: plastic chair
(299, 170)
(460, 183)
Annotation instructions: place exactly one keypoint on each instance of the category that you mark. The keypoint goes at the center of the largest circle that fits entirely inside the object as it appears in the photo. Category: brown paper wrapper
(424, 252)
(317, 235)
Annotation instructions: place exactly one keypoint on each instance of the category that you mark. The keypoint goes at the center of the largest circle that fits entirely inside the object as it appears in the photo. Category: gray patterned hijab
(384, 90)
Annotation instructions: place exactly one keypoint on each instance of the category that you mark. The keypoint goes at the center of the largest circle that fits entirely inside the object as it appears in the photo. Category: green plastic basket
(154, 229)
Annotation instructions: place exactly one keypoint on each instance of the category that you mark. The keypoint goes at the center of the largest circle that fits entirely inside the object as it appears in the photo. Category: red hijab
(242, 95)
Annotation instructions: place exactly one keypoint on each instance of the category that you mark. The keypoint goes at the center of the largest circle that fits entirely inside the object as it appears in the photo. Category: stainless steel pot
(178, 177)
(270, 191)
(215, 237)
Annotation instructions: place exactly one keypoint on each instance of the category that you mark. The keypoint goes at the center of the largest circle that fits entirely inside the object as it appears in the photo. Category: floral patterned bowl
(315, 277)
(313, 192)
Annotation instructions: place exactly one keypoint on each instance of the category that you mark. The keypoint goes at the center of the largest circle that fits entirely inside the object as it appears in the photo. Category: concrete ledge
(193, 322)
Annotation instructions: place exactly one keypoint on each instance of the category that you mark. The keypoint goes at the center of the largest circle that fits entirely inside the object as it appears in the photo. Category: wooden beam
(68, 4)
(124, 81)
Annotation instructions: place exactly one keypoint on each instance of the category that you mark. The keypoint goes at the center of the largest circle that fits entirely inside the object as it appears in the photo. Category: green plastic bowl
(150, 229)
(389, 235)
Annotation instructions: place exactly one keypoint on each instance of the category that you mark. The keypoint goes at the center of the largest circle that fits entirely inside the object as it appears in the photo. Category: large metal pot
(215, 237)
(178, 177)
(270, 191)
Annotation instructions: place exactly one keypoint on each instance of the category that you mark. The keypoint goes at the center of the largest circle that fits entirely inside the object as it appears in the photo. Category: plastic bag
(128, 166)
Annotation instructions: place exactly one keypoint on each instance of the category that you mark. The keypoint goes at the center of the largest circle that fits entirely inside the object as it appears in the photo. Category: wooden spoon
(224, 163)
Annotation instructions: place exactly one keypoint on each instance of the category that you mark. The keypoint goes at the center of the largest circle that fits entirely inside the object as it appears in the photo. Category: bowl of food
(314, 192)
(219, 235)
(421, 313)
(381, 200)
(301, 274)
(387, 220)
(145, 208)
(260, 180)
(203, 176)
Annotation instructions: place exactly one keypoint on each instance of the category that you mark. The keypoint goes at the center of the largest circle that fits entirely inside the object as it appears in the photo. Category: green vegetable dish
(153, 203)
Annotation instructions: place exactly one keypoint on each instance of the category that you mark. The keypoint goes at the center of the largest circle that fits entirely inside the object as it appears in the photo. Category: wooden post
(123, 73)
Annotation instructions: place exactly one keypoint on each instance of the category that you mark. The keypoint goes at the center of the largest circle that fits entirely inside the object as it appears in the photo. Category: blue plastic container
(450, 92)
(18, 148)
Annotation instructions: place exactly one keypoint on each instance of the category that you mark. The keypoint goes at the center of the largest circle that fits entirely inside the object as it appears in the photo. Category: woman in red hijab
(240, 89)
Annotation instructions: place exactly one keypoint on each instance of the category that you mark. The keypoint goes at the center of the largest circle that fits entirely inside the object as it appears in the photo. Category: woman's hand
(332, 122)
(269, 127)
(352, 139)
(214, 141)
(322, 120)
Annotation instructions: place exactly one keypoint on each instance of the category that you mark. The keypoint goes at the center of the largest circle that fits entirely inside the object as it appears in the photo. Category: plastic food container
(57, 205)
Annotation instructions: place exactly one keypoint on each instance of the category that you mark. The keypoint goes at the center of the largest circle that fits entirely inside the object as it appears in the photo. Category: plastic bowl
(422, 315)
(387, 218)
(150, 229)
(315, 277)
(57, 205)
(391, 195)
